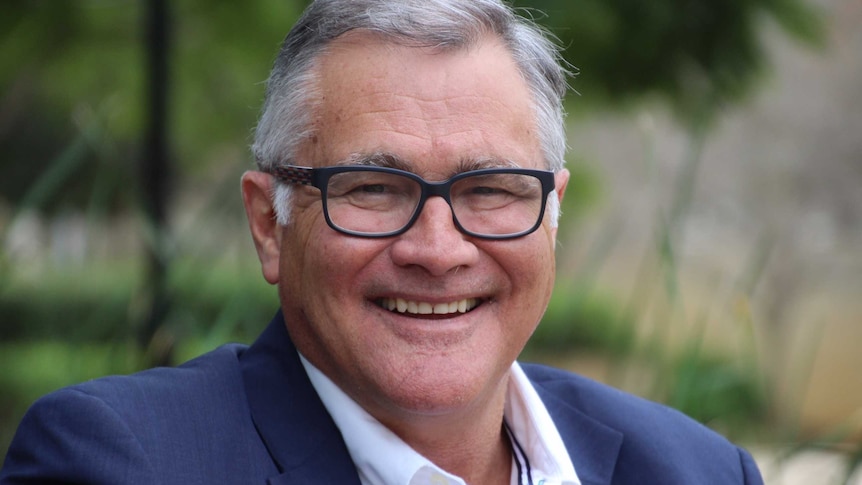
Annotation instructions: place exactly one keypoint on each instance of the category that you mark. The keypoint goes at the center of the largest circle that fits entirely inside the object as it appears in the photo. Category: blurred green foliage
(579, 318)
(67, 65)
(94, 303)
(72, 83)
(693, 54)
(718, 391)
(74, 69)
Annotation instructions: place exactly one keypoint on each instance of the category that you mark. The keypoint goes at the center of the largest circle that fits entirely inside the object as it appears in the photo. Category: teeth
(424, 308)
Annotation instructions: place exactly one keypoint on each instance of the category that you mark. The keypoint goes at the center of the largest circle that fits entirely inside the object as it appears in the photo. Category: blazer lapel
(307, 447)
(593, 446)
(301, 437)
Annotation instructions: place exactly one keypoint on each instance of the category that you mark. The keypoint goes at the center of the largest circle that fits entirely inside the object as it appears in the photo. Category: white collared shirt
(382, 458)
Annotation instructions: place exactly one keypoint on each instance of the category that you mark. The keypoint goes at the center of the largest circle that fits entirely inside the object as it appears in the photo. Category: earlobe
(257, 199)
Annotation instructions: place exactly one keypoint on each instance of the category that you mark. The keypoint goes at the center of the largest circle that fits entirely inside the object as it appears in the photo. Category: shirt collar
(381, 457)
(534, 430)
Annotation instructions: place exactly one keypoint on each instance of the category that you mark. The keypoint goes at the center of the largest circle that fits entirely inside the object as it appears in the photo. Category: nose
(434, 242)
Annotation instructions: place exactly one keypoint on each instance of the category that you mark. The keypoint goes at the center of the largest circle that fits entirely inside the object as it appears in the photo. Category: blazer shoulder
(71, 437)
(658, 441)
(200, 392)
(199, 378)
(611, 406)
(189, 424)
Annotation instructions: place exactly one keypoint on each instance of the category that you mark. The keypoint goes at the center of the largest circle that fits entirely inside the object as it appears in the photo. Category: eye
(499, 185)
(487, 190)
(361, 184)
(372, 189)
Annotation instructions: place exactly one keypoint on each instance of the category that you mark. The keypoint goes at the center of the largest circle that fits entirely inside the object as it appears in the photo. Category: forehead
(422, 105)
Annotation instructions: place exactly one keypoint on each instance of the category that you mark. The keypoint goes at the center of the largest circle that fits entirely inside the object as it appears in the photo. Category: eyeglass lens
(381, 202)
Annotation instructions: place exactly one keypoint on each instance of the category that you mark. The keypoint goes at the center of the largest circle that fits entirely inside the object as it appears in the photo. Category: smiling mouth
(412, 307)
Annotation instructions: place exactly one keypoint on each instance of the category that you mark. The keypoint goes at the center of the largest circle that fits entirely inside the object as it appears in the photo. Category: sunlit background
(710, 253)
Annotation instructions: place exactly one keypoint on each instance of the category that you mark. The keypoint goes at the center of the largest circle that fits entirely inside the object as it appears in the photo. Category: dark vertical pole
(155, 182)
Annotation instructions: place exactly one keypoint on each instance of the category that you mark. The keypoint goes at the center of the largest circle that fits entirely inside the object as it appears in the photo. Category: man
(410, 159)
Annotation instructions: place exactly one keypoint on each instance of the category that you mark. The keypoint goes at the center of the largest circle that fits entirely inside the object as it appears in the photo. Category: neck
(472, 445)
(485, 459)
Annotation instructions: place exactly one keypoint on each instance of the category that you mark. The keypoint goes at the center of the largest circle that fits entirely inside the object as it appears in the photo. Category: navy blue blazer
(249, 415)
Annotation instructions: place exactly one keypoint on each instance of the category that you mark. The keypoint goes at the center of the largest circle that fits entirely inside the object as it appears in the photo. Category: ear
(257, 199)
(561, 181)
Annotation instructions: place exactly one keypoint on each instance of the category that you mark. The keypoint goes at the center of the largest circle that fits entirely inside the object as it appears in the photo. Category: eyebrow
(470, 164)
(390, 160)
(376, 159)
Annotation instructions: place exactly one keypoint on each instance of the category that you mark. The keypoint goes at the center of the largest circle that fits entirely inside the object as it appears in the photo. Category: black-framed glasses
(373, 201)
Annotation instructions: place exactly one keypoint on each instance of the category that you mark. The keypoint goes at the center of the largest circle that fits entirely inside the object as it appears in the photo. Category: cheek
(533, 274)
(324, 267)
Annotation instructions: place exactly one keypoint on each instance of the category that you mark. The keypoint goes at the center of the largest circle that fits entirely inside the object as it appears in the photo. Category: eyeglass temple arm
(292, 175)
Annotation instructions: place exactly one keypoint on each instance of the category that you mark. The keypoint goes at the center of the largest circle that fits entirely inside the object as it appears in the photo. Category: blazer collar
(307, 447)
(301, 437)
(593, 446)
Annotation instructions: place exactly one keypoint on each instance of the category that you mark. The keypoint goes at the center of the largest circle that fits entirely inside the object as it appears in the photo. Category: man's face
(437, 112)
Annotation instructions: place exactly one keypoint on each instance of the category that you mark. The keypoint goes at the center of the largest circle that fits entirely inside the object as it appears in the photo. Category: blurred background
(710, 252)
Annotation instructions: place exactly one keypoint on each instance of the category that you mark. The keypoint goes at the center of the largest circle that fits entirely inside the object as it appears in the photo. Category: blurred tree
(695, 54)
(73, 84)
(74, 69)
(72, 90)
(94, 95)
(156, 181)
(67, 103)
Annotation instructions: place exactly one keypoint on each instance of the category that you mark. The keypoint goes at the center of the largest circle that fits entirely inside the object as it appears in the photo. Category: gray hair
(285, 121)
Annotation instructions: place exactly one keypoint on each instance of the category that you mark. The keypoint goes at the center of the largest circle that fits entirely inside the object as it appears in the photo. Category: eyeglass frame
(318, 177)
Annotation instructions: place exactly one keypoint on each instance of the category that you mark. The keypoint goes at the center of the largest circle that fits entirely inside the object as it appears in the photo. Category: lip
(431, 332)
